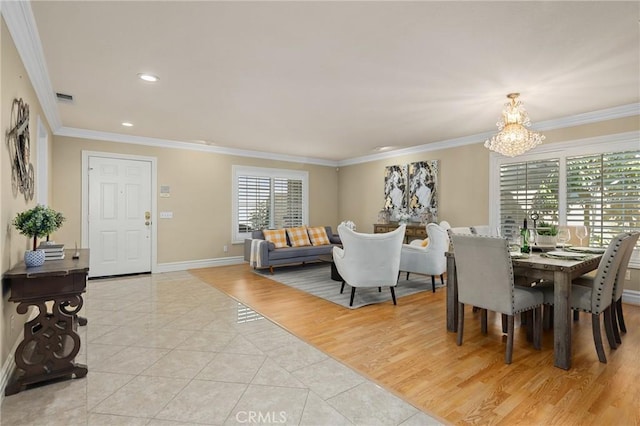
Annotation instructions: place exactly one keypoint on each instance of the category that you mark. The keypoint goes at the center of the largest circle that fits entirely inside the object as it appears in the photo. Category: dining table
(533, 267)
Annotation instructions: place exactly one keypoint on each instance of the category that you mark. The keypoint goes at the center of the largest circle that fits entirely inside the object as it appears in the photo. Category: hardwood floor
(407, 350)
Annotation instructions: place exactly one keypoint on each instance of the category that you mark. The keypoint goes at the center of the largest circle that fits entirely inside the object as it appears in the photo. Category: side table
(328, 258)
(50, 342)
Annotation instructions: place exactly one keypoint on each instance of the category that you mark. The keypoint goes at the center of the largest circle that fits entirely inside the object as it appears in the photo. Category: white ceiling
(333, 80)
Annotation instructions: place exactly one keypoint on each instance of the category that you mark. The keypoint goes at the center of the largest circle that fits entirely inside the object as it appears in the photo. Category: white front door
(119, 216)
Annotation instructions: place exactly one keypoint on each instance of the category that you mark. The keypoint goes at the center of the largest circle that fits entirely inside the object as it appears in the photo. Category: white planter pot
(33, 258)
(546, 241)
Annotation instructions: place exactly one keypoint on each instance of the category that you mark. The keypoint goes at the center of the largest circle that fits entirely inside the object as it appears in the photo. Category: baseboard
(196, 264)
(9, 366)
(631, 297)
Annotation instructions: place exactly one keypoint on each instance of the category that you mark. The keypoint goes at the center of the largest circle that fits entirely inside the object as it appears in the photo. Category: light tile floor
(168, 349)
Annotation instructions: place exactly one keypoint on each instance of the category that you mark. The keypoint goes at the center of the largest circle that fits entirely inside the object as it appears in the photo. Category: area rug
(316, 279)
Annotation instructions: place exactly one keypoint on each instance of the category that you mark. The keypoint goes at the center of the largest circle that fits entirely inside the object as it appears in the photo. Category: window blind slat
(603, 193)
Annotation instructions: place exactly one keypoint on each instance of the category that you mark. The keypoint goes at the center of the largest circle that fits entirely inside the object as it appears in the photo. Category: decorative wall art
(423, 196)
(411, 190)
(22, 171)
(395, 189)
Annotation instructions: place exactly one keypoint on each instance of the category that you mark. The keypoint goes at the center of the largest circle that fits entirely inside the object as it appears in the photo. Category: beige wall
(200, 195)
(463, 187)
(14, 84)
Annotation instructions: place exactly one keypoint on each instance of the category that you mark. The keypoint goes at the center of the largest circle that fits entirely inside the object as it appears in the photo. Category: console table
(411, 232)
(50, 342)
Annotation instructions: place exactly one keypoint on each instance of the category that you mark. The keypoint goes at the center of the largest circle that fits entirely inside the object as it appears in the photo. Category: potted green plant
(546, 234)
(35, 223)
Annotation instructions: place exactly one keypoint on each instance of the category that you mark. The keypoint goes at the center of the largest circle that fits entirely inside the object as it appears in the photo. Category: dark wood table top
(53, 267)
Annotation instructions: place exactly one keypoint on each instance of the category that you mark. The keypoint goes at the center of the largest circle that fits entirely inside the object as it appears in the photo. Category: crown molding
(22, 27)
(589, 117)
(569, 121)
(165, 143)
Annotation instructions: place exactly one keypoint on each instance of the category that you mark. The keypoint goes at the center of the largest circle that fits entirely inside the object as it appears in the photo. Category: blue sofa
(267, 256)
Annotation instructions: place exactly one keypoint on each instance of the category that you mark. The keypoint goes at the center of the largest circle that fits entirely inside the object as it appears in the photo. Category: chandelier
(513, 138)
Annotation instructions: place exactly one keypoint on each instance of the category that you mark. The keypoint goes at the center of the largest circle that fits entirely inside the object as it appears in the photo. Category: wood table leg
(561, 320)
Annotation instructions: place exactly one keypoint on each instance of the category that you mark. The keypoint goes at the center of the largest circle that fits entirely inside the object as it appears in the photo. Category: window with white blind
(603, 193)
(593, 182)
(268, 198)
(527, 187)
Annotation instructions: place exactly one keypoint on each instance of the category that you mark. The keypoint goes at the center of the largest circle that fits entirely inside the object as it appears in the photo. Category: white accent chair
(369, 260)
(462, 230)
(485, 280)
(429, 260)
(483, 230)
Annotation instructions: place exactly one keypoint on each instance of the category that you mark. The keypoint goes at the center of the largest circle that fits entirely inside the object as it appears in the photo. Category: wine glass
(564, 235)
(514, 243)
(581, 232)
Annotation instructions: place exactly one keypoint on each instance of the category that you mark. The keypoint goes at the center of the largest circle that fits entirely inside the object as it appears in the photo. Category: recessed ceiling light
(148, 77)
(127, 124)
(382, 148)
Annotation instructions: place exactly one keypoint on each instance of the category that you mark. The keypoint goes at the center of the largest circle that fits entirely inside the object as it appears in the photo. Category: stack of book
(52, 251)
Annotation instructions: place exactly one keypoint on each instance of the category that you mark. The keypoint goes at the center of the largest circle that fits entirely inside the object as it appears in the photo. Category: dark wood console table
(50, 342)
(411, 232)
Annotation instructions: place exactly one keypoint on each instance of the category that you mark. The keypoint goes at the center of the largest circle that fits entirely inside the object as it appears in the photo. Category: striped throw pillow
(298, 236)
(277, 236)
(318, 236)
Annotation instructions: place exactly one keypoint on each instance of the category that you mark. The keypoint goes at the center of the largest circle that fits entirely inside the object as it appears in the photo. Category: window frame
(237, 171)
(628, 141)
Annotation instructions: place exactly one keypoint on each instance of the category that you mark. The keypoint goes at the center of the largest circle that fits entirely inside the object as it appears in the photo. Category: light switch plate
(166, 215)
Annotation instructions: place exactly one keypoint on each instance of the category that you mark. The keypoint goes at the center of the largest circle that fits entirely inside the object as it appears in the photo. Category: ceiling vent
(64, 97)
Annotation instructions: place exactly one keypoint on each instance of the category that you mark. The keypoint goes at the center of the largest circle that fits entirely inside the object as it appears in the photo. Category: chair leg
(460, 323)
(530, 324)
(597, 337)
(379, 289)
(353, 293)
(576, 315)
(393, 295)
(342, 287)
(608, 327)
(509, 352)
(407, 276)
(433, 283)
(623, 327)
(442, 279)
(537, 328)
(483, 321)
(504, 323)
(614, 321)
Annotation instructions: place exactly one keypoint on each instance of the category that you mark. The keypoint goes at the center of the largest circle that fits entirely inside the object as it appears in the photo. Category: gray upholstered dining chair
(597, 298)
(429, 260)
(485, 280)
(617, 317)
(369, 260)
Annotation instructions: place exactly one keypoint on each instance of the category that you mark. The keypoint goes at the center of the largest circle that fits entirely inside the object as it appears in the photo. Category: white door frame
(84, 231)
